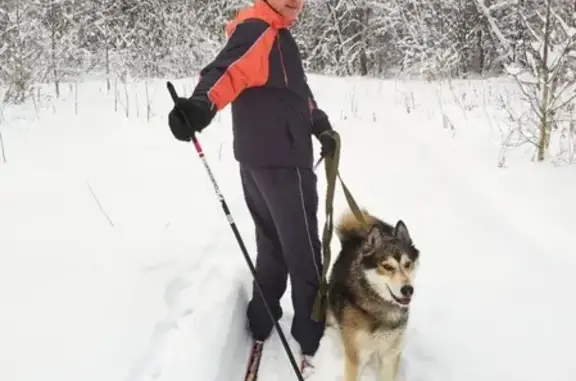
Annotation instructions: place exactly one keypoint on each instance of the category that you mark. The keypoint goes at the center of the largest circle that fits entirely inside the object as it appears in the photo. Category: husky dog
(369, 293)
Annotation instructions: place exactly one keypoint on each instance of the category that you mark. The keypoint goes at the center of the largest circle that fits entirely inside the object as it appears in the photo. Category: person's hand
(197, 114)
(328, 144)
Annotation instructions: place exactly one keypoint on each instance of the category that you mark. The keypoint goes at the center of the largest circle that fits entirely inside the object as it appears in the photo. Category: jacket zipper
(282, 62)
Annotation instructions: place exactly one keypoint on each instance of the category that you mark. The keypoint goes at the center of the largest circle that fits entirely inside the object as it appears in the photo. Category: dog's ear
(401, 232)
(373, 240)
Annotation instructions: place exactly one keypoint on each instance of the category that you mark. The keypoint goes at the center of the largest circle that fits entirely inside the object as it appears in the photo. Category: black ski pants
(283, 203)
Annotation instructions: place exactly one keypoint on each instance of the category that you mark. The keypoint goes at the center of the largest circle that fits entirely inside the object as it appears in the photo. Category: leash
(238, 238)
(331, 164)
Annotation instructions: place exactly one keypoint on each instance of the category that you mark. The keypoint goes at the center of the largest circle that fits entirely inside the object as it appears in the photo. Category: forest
(52, 41)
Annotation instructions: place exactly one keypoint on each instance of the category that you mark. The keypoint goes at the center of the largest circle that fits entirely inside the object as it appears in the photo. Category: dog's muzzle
(407, 291)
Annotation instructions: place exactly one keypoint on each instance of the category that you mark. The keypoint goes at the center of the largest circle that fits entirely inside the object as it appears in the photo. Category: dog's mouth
(405, 300)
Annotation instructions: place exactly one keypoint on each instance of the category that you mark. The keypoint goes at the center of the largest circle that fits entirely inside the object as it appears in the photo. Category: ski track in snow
(491, 294)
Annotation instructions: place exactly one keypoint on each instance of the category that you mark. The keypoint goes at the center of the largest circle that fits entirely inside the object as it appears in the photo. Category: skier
(260, 73)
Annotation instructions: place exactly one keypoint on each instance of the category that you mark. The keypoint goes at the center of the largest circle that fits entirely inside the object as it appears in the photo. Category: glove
(328, 144)
(322, 128)
(198, 114)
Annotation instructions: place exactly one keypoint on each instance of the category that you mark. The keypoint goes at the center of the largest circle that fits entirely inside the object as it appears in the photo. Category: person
(274, 116)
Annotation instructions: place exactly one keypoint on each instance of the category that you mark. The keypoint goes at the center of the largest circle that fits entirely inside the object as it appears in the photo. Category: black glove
(322, 129)
(328, 143)
(198, 114)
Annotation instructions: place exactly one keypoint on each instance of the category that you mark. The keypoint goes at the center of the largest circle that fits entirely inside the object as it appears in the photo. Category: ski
(254, 361)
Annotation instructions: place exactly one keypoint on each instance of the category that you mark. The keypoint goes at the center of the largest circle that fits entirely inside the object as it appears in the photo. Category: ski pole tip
(172, 91)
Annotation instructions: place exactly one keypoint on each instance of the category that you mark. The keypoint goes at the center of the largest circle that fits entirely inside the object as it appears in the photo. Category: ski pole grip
(174, 96)
(172, 91)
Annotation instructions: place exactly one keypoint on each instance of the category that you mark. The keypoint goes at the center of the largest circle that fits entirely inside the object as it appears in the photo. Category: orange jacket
(260, 73)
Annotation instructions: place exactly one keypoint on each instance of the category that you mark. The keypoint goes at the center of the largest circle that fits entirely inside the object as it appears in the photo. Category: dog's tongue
(404, 300)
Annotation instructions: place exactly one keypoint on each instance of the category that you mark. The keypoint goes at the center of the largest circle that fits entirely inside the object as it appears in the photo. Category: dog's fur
(365, 300)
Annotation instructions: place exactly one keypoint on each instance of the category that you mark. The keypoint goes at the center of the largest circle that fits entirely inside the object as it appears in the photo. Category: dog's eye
(388, 267)
(408, 265)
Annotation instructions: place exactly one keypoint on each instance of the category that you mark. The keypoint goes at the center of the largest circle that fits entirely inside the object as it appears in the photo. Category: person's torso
(272, 123)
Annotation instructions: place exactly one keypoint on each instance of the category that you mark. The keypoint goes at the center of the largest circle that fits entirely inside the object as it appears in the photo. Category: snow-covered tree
(20, 48)
(548, 79)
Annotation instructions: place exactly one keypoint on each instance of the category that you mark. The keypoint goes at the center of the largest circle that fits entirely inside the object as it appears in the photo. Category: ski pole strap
(331, 164)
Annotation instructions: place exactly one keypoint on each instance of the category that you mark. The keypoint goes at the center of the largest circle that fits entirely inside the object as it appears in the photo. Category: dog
(369, 293)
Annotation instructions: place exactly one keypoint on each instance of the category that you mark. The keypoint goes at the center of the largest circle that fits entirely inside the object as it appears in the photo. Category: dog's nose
(407, 290)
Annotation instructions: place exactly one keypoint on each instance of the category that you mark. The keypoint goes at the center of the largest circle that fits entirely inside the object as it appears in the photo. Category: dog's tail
(349, 227)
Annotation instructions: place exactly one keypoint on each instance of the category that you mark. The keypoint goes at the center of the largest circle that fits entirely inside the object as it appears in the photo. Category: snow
(117, 263)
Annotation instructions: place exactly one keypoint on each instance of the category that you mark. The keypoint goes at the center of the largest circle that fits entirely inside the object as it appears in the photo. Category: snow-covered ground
(117, 263)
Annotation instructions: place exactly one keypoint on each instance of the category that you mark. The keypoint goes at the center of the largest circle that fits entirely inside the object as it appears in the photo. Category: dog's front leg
(351, 354)
(351, 365)
(389, 364)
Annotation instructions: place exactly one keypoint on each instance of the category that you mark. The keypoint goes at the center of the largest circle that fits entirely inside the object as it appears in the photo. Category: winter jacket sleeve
(320, 121)
(242, 63)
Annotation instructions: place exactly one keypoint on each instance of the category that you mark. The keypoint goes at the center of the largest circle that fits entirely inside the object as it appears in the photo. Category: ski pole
(224, 204)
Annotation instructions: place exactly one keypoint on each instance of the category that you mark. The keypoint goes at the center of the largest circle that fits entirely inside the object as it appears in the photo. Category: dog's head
(389, 263)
